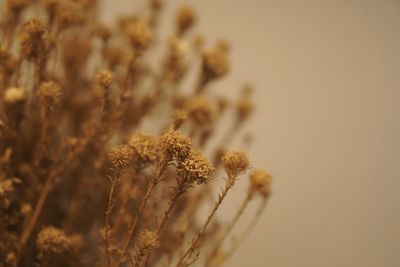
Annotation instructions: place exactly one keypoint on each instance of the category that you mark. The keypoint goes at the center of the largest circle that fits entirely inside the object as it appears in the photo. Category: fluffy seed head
(174, 145)
(196, 168)
(260, 181)
(33, 43)
(120, 156)
(185, 18)
(215, 64)
(49, 93)
(139, 34)
(235, 162)
(199, 110)
(104, 78)
(145, 148)
(51, 240)
(147, 241)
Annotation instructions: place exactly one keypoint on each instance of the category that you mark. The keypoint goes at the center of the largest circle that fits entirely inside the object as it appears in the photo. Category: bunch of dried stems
(81, 182)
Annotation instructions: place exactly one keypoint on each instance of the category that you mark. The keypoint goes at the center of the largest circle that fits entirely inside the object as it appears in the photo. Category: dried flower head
(174, 145)
(15, 95)
(145, 243)
(120, 156)
(51, 240)
(49, 93)
(215, 64)
(69, 13)
(260, 181)
(185, 18)
(32, 40)
(139, 34)
(235, 162)
(199, 110)
(196, 168)
(104, 78)
(145, 148)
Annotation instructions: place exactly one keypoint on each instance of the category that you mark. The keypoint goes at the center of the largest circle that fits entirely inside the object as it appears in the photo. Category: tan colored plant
(102, 154)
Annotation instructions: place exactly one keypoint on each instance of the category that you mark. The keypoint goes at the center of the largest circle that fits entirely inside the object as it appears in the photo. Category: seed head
(49, 93)
(260, 181)
(139, 34)
(104, 78)
(120, 156)
(196, 168)
(145, 148)
(174, 145)
(51, 240)
(215, 64)
(235, 162)
(199, 110)
(32, 40)
(15, 95)
(185, 18)
(146, 242)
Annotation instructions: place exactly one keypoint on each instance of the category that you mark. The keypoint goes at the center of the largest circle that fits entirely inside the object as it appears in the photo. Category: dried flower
(174, 145)
(199, 110)
(50, 241)
(32, 39)
(120, 156)
(185, 18)
(15, 95)
(139, 34)
(235, 162)
(49, 93)
(260, 181)
(145, 148)
(147, 241)
(195, 168)
(104, 78)
(215, 64)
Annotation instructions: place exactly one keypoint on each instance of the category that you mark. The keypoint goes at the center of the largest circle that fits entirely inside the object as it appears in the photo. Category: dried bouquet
(102, 151)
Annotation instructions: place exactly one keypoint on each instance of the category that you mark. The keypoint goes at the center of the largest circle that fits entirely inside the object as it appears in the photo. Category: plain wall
(327, 124)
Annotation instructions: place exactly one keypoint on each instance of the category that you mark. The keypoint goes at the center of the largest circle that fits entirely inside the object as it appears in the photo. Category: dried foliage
(104, 159)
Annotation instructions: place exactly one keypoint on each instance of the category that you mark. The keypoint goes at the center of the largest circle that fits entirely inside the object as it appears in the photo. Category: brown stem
(217, 204)
(179, 191)
(238, 214)
(110, 206)
(243, 237)
(150, 188)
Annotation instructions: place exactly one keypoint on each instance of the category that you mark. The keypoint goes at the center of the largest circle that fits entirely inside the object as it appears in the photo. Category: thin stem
(228, 230)
(150, 188)
(110, 206)
(217, 204)
(179, 191)
(246, 233)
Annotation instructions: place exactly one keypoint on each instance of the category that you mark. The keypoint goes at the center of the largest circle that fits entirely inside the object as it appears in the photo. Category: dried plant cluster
(81, 183)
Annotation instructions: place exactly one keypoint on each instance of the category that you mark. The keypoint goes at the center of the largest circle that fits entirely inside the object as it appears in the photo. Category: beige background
(327, 124)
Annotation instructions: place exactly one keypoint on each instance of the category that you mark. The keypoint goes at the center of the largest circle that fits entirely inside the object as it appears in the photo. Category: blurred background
(327, 124)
